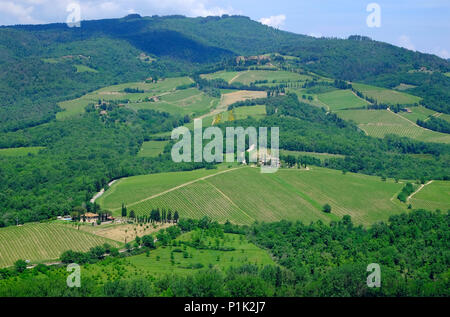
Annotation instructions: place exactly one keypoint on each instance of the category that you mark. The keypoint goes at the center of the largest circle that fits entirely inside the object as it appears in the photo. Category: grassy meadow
(21, 151)
(186, 259)
(152, 148)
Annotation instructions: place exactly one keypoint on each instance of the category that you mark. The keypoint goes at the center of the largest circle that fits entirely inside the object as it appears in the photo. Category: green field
(152, 148)
(186, 259)
(416, 113)
(341, 99)
(387, 96)
(83, 68)
(250, 76)
(135, 188)
(21, 151)
(227, 76)
(39, 242)
(182, 102)
(249, 111)
(116, 92)
(244, 195)
(379, 123)
(433, 196)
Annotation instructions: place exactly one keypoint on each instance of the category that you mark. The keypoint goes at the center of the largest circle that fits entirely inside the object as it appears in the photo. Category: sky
(417, 25)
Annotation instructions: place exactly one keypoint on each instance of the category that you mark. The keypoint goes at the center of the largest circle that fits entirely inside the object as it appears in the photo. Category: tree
(169, 216)
(20, 266)
(176, 217)
(132, 214)
(148, 241)
(124, 210)
(327, 208)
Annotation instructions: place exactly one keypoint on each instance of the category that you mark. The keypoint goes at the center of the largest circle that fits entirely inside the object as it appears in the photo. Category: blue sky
(418, 25)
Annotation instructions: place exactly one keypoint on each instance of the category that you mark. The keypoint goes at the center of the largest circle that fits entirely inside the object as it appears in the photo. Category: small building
(90, 217)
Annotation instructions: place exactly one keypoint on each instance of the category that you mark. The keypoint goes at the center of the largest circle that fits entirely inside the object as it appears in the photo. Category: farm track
(179, 186)
(418, 190)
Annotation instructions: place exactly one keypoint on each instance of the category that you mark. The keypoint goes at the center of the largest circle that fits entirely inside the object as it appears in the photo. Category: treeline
(331, 260)
(435, 124)
(318, 259)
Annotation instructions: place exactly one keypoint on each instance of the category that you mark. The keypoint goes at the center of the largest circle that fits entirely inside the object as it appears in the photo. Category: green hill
(244, 195)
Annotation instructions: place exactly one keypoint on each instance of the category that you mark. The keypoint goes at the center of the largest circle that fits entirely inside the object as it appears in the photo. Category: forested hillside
(38, 62)
(72, 159)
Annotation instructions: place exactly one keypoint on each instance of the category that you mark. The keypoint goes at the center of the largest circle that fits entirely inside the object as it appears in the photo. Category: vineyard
(433, 196)
(379, 123)
(341, 99)
(38, 242)
(387, 96)
(245, 195)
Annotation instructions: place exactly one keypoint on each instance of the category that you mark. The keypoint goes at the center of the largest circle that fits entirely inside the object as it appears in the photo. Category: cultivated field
(122, 232)
(182, 102)
(433, 196)
(21, 151)
(387, 96)
(186, 259)
(416, 113)
(250, 111)
(116, 92)
(244, 195)
(341, 99)
(379, 123)
(250, 76)
(135, 188)
(39, 242)
(152, 148)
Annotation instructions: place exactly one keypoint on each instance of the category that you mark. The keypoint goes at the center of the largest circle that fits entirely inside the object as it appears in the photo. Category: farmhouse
(90, 217)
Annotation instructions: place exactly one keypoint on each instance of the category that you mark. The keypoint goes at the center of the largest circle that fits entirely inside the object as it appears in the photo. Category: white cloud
(17, 12)
(46, 11)
(405, 41)
(315, 34)
(275, 21)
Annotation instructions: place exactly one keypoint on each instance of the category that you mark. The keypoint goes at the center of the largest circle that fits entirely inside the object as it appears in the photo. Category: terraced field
(387, 96)
(433, 196)
(244, 195)
(379, 123)
(341, 99)
(39, 242)
(21, 151)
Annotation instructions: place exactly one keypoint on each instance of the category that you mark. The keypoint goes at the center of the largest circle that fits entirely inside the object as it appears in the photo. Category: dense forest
(317, 259)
